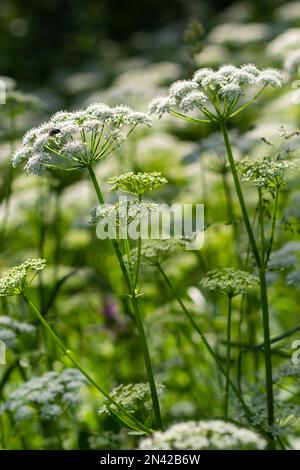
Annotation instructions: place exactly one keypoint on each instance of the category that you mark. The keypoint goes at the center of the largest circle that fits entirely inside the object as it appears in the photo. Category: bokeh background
(65, 55)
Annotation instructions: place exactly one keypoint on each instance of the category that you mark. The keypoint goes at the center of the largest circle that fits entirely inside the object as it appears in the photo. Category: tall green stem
(114, 242)
(131, 285)
(129, 420)
(228, 356)
(148, 365)
(263, 285)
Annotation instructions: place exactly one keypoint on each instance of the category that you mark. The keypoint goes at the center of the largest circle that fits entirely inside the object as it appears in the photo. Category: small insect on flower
(229, 281)
(215, 93)
(79, 139)
(54, 131)
(137, 183)
(16, 280)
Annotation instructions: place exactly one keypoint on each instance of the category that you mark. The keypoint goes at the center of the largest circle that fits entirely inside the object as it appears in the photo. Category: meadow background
(66, 55)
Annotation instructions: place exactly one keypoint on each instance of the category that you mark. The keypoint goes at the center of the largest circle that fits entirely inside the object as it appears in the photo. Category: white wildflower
(74, 140)
(16, 280)
(49, 395)
(204, 435)
(215, 92)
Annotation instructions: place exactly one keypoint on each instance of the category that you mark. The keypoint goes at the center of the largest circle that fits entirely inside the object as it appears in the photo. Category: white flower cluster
(10, 330)
(230, 281)
(137, 183)
(132, 397)
(50, 395)
(157, 251)
(266, 173)
(74, 140)
(225, 84)
(122, 213)
(16, 280)
(204, 435)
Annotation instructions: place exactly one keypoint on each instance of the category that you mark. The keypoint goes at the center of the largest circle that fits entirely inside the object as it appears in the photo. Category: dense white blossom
(230, 281)
(266, 173)
(222, 88)
(49, 395)
(74, 140)
(16, 280)
(201, 435)
(132, 397)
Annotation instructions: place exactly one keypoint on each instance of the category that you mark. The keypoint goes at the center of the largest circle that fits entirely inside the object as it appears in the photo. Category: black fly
(54, 131)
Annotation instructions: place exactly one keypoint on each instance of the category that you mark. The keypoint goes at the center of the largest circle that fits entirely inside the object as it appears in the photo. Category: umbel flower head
(266, 173)
(74, 140)
(49, 395)
(132, 397)
(156, 252)
(16, 280)
(137, 183)
(204, 435)
(230, 281)
(122, 213)
(215, 93)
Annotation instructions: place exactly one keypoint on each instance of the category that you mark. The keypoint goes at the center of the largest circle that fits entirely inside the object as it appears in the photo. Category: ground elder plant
(78, 140)
(181, 347)
(216, 95)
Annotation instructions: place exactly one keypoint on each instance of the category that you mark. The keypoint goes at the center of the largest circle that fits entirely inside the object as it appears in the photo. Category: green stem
(131, 287)
(267, 346)
(128, 420)
(205, 342)
(240, 194)
(228, 356)
(148, 364)
(114, 242)
(263, 285)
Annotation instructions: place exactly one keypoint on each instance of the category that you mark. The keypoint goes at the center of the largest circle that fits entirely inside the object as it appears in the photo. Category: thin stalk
(240, 194)
(205, 342)
(132, 422)
(263, 285)
(114, 242)
(148, 364)
(228, 356)
(131, 287)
